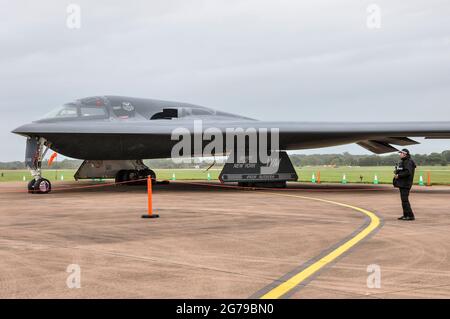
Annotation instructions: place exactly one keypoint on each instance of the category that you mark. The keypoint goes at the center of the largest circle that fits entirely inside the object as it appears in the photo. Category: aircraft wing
(378, 137)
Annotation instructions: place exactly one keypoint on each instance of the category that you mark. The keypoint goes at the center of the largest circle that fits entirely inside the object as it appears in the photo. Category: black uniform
(405, 171)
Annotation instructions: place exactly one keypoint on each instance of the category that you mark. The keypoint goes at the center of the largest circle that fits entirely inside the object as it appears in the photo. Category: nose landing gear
(33, 159)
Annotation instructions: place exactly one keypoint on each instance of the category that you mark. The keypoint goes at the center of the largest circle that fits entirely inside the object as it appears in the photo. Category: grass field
(440, 175)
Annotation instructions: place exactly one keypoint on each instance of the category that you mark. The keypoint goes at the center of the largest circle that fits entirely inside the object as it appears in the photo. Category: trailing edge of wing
(443, 137)
(377, 147)
(383, 145)
(402, 141)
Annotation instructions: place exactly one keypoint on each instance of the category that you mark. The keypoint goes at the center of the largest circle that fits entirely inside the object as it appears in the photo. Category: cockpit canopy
(126, 108)
(64, 111)
(82, 109)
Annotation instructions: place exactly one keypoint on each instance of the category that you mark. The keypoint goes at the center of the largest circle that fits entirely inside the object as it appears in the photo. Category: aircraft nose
(23, 129)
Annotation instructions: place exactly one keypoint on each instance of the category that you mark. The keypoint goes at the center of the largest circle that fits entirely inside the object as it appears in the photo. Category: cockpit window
(92, 111)
(65, 111)
(124, 110)
(77, 111)
(200, 112)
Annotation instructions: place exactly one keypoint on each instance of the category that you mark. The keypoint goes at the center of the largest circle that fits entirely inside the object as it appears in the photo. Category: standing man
(403, 179)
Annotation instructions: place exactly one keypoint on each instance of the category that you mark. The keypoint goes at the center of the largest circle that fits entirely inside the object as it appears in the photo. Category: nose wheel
(39, 186)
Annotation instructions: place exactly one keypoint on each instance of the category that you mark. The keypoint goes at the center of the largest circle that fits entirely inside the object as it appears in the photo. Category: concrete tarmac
(212, 242)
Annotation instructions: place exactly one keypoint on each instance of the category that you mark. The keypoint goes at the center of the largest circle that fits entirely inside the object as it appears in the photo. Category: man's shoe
(410, 218)
(402, 218)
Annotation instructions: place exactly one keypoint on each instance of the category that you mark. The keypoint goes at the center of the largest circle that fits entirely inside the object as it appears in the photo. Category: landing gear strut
(34, 154)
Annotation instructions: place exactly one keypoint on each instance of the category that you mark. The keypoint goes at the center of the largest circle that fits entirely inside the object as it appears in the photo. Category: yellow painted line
(300, 277)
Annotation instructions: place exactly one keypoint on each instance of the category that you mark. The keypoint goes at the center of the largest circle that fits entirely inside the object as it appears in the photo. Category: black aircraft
(113, 134)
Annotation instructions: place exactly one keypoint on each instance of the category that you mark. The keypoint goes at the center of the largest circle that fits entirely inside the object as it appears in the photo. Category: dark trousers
(404, 195)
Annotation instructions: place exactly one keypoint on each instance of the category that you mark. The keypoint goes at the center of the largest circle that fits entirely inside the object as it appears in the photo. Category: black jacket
(405, 171)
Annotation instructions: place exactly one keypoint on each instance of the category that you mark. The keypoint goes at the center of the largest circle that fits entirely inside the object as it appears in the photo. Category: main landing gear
(134, 176)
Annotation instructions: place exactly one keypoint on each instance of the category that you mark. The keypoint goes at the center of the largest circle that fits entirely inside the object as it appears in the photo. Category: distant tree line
(347, 159)
(344, 159)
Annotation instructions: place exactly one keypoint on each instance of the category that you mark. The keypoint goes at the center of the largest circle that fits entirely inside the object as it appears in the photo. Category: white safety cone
(344, 179)
(421, 183)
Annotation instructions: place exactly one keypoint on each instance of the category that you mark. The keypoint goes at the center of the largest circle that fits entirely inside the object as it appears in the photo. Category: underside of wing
(384, 145)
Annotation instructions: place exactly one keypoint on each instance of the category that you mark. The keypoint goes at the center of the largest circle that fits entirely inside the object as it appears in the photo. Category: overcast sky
(271, 60)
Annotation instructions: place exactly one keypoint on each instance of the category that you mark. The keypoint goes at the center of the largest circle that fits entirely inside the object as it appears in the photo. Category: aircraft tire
(31, 186)
(120, 176)
(42, 186)
(147, 172)
(132, 176)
